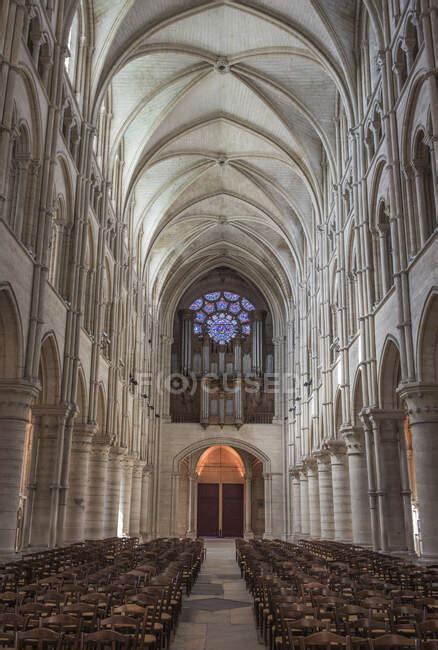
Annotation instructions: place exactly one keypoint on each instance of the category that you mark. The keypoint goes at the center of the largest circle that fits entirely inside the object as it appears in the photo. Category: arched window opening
(412, 45)
(425, 184)
(369, 49)
(59, 249)
(89, 285)
(385, 244)
(45, 63)
(71, 60)
(400, 68)
(17, 202)
(370, 144)
(106, 306)
(222, 339)
(353, 295)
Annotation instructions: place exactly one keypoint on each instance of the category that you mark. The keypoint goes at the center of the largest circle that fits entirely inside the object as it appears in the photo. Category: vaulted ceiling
(224, 111)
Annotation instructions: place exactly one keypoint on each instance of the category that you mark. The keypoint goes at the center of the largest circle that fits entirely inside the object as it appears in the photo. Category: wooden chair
(325, 639)
(39, 638)
(107, 639)
(393, 641)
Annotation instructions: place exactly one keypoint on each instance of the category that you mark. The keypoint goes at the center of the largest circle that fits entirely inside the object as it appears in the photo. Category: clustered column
(77, 493)
(325, 496)
(357, 468)
(341, 491)
(113, 491)
(296, 503)
(314, 506)
(137, 478)
(98, 470)
(15, 400)
(304, 498)
(422, 402)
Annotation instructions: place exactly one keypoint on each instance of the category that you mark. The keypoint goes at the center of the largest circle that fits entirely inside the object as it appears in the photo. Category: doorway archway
(221, 491)
(221, 488)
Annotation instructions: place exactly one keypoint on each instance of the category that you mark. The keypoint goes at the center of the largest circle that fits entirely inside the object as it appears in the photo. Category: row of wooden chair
(306, 589)
(136, 597)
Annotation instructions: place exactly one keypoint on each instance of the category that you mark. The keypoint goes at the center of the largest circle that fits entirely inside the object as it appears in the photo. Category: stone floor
(218, 613)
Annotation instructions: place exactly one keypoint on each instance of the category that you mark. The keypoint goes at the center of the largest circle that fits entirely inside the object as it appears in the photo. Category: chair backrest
(39, 637)
(105, 639)
(393, 641)
(120, 622)
(324, 638)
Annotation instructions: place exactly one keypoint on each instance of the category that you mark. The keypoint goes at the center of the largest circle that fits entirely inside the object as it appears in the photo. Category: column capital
(322, 459)
(354, 440)
(100, 447)
(16, 398)
(147, 471)
(421, 402)
(83, 435)
(138, 468)
(335, 447)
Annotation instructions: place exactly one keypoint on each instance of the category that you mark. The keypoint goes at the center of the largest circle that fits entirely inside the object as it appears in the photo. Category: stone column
(304, 498)
(268, 505)
(78, 479)
(341, 491)
(205, 401)
(49, 423)
(145, 511)
(97, 485)
(387, 428)
(15, 400)
(422, 404)
(134, 520)
(248, 505)
(314, 506)
(357, 469)
(257, 341)
(186, 341)
(191, 522)
(114, 486)
(126, 494)
(296, 503)
(326, 496)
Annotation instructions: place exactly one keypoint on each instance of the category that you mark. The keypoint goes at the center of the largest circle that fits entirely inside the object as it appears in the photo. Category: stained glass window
(246, 304)
(222, 315)
(196, 305)
(200, 317)
(222, 304)
(231, 296)
(209, 307)
(214, 295)
(222, 327)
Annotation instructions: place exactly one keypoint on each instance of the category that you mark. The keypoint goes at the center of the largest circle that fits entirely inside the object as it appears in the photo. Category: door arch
(256, 482)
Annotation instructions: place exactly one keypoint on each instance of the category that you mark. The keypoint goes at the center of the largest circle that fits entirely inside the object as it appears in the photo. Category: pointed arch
(338, 413)
(427, 347)
(389, 375)
(11, 335)
(357, 397)
(81, 398)
(101, 410)
(49, 370)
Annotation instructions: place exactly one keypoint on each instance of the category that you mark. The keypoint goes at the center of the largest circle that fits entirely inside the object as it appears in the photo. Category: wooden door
(208, 510)
(232, 510)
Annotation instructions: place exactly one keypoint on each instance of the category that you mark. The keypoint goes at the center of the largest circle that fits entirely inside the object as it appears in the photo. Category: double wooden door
(220, 510)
